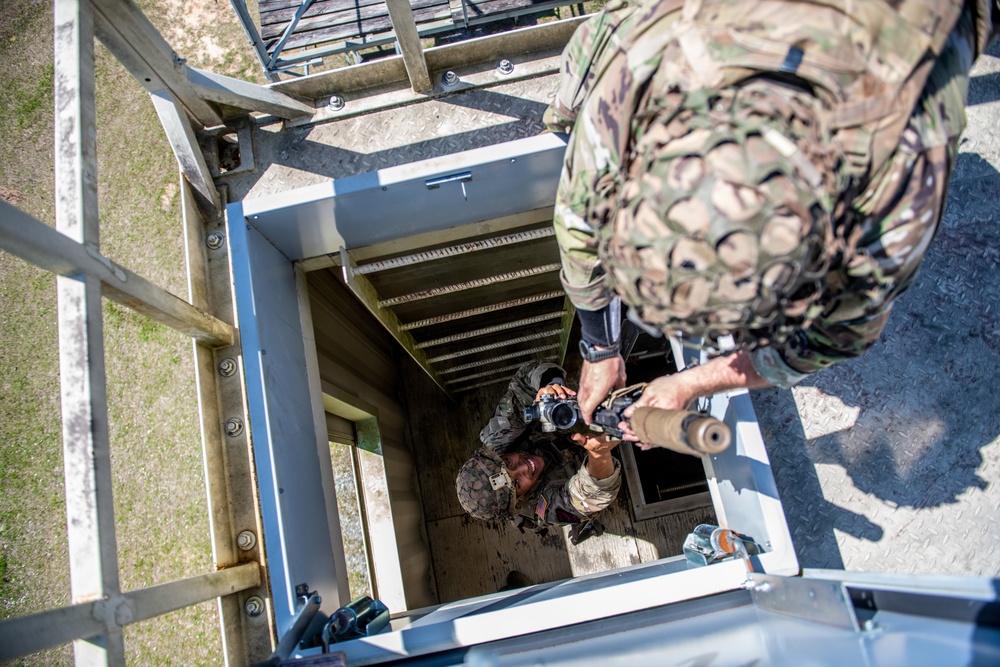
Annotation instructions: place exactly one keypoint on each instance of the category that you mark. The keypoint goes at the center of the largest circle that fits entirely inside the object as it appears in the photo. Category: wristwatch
(590, 353)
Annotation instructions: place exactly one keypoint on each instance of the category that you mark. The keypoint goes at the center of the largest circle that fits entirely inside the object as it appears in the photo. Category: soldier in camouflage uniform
(537, 479)
(771, 170)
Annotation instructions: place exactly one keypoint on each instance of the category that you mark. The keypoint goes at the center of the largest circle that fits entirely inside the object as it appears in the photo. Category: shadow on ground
(908, 421)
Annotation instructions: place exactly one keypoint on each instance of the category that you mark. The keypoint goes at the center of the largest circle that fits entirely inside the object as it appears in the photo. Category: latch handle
(434, 183)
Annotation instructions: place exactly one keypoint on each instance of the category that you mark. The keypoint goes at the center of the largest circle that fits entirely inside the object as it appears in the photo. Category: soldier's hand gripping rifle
(682, 431)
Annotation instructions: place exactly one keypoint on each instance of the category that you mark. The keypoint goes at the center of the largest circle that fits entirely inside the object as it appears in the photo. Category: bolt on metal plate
(254, 606)
(227, 367)
(215, 240)
(449, 79)
(234, 427)
(505, 67)
(336, 102)
(246, 540)
(816, 600)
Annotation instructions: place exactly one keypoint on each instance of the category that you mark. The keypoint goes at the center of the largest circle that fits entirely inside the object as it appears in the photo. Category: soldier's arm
(578, 498)
(678, 391)
(600, 464)
(507, 423)
(593, 44)
(589, 493)
(579, 66)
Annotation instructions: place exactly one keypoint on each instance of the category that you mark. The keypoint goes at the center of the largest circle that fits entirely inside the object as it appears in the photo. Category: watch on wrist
(590, 353)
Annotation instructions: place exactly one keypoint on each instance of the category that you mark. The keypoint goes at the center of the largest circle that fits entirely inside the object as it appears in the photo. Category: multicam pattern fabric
(565, 494)
(715, 231)
(714, 203)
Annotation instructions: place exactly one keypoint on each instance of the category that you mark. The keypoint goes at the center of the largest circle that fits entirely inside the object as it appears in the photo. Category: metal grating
(465, 300)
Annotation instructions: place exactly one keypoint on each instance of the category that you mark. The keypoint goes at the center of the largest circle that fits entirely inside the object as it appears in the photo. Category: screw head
(336, 102)
(870, 625)
(254, 606)
(449, 78)
(234, 427)
(227, 367)
(505, 67)
(215, 240)
(246, 540)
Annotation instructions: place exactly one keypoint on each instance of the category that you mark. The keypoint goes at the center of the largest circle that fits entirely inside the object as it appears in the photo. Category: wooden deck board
(343, 20)
(484, 11)
(283, 14)
(353, 24)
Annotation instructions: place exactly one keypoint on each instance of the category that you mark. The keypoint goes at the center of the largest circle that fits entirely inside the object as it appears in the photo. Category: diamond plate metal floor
(891, 463)
(887, 463)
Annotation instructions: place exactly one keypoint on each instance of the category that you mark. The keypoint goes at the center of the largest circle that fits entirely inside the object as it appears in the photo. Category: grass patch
(159, 494)
(29, 103)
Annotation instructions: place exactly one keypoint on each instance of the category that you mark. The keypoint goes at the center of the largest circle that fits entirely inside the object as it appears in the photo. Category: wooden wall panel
(358, 357)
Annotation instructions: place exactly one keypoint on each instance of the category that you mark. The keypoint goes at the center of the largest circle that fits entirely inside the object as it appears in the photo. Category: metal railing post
(405, 27)
(90, 522)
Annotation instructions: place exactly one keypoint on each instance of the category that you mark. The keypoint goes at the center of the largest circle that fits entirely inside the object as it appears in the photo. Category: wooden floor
(473, 558)
(353, 24)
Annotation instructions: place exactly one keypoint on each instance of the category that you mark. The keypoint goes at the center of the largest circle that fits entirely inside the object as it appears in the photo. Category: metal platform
(887, 463)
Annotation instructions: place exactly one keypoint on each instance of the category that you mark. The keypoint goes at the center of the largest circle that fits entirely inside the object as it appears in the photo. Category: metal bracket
(819, 601)
(243, 129)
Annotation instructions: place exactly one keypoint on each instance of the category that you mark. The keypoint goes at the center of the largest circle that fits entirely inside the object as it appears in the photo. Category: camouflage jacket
(896, 210)
(566, 493)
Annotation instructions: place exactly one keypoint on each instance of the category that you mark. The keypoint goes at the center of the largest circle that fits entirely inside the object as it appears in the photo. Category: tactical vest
(867, 61)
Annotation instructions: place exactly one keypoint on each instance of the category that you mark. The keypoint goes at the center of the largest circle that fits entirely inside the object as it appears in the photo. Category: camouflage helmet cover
(484, 487)
(722, 222)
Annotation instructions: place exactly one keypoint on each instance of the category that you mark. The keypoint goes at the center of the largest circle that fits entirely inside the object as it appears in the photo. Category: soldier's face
(524, 469)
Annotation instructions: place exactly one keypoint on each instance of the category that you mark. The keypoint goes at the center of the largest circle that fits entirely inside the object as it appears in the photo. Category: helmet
(485, 489)
(722, 222)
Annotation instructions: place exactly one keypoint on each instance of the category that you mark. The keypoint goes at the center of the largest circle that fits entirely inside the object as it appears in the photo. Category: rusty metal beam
(229, 480)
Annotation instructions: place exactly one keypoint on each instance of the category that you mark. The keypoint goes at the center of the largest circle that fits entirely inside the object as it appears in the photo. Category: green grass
(159, 494)
(30, 103)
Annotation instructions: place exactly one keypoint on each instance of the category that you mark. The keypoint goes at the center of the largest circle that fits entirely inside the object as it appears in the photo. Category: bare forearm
(731, 371)
(678, 391)
(600, 466)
